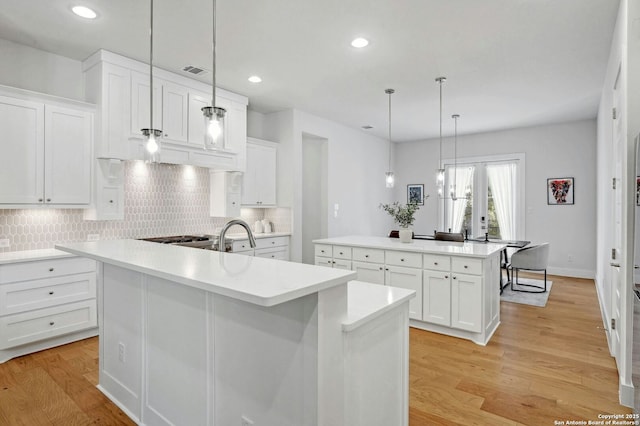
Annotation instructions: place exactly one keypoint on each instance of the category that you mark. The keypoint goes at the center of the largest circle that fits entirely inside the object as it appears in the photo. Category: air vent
(367, 127)
(194, 70)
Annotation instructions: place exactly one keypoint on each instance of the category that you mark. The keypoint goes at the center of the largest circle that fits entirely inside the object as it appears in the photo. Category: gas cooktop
(179, 239)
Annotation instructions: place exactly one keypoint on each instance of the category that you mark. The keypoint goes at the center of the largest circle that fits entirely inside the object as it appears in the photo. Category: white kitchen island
(196, 337)
(457, 285)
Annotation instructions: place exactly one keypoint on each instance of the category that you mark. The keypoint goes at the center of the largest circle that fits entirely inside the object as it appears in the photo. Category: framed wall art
(560, 191)
(415, 194)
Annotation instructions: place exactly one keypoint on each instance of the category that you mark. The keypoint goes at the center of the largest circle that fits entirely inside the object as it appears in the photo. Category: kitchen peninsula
(193, 336)
(456, 284)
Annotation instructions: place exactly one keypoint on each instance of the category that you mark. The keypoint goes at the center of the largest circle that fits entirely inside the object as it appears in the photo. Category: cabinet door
(68, 141)
(140, 104)
(197, 101)
(266, 175)
(21, 151)
(369, 272)
(175, 111)
(250, 195)
(410, 278)
(436, 297)
(236, 133)
(115, 118)
(466, 302)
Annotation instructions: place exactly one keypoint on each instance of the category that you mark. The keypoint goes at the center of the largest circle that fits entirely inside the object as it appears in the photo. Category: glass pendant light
(214, 116)
(440, 175)
(152, 144)
(389, 178)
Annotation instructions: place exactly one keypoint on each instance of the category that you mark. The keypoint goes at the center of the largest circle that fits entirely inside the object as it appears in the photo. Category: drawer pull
(50, 293)
(366, 255)
(401, 260)
(386, 269)
(51, 323)
(111, 201)
(273, 242)
(446, 276)
(321, 251)
(435, 263)
(341, 253)
(465, 267)
(48, 200)
(380, 268)
(50, 269)
(455, 278)
(273, 255)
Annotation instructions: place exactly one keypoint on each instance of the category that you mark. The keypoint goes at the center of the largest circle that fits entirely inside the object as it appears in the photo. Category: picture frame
(415, 193)
(560, 191)
(637, 190)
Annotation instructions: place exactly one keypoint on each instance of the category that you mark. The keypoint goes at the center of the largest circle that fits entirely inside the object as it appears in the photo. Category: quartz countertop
(32, 255)
(241, 237)
(260, 281)
(468, 248)
(367, 301)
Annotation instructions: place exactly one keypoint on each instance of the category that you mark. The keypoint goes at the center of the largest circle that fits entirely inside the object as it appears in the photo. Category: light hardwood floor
(543, 364)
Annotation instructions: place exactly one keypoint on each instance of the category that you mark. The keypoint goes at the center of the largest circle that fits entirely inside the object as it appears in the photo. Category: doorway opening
(314, 193)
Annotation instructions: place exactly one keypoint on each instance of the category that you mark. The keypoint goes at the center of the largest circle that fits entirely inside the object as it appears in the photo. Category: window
(485, 195)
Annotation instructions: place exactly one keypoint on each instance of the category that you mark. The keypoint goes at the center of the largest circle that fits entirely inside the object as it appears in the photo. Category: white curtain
(463, 182)
(502, 180)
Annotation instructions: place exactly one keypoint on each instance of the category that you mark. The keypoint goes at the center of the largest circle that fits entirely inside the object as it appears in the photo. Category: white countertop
(367, 301)
(256, 280)
(31, 255)
(471, 249)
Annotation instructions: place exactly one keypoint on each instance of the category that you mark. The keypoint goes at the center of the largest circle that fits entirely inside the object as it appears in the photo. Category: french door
(484, 196)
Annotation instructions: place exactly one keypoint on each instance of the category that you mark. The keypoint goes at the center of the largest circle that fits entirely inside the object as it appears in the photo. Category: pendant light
(213, 115)
(152, 145)
(452, 188)
(389, 178)
(440, 175)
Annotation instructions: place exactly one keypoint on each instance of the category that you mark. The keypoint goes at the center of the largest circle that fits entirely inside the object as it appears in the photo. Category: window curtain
(463, 181)
(502, 180)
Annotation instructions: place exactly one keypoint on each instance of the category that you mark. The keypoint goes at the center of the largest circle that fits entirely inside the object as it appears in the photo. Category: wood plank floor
(543, 364)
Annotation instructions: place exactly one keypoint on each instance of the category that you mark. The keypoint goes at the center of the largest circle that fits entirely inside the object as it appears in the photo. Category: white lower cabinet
(436, 298)
(45, 303)
(454, 294)
(268, 247)
(409, 278)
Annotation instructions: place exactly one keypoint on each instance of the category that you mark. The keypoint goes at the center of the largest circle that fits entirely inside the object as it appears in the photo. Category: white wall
(314, 194)
(40, 71)
(558, 150)
(356, 165)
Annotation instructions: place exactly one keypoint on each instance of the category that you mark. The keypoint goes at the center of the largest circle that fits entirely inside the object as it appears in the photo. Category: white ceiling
(509, 63)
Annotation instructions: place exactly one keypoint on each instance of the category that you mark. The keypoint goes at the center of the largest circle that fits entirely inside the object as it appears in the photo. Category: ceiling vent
(194, 70)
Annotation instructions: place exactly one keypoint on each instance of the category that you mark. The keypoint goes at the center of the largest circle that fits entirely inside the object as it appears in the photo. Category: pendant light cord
(213, 50)
(390, 91)
(151, 71)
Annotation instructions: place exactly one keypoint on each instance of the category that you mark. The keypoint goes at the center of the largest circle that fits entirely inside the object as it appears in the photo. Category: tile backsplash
(160, 200)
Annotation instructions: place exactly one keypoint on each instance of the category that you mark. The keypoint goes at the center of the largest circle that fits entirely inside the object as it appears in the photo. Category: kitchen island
(201, 337)
(457, 285)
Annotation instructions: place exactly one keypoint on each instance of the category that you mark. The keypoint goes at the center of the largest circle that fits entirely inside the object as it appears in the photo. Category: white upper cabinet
(46, 156)
(120, 87)
(259, 182)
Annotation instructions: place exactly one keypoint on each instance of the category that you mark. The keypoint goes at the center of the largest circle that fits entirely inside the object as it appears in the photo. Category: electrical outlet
(121, 352)
(570, 258)
(93, 237)
(5, 243)
(246, 421)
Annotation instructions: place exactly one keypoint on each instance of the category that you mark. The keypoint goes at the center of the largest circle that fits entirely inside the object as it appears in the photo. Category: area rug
(533, 299)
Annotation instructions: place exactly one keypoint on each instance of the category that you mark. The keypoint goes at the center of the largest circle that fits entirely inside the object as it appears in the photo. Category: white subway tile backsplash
(160, 200)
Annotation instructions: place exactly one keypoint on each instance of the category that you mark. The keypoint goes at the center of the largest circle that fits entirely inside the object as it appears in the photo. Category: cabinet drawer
(271, 242)
(323, 250)
(324, 261)
(280, 253)
(26, 271)
(342, 264)
(26, 327)
(368, 255)
(466, 265)
(38, 294)
(437, 262)
(400, 258)
(340, 252)
(242, 245)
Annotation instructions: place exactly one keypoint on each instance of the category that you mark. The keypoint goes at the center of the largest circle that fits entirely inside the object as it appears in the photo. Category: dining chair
(531, 258)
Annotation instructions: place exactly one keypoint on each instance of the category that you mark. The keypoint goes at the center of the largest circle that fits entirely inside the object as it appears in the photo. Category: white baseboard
(569, 272)
(626, 393)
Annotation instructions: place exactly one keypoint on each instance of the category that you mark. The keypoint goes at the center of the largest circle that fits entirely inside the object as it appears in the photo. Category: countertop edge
(32, 255)
(357, 288)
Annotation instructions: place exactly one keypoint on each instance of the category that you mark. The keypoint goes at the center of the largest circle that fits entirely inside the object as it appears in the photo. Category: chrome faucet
(225, 228)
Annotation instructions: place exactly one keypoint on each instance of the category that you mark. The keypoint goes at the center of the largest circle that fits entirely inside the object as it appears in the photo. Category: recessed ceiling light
(255, 79)
(360, 42)
(84, 12)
